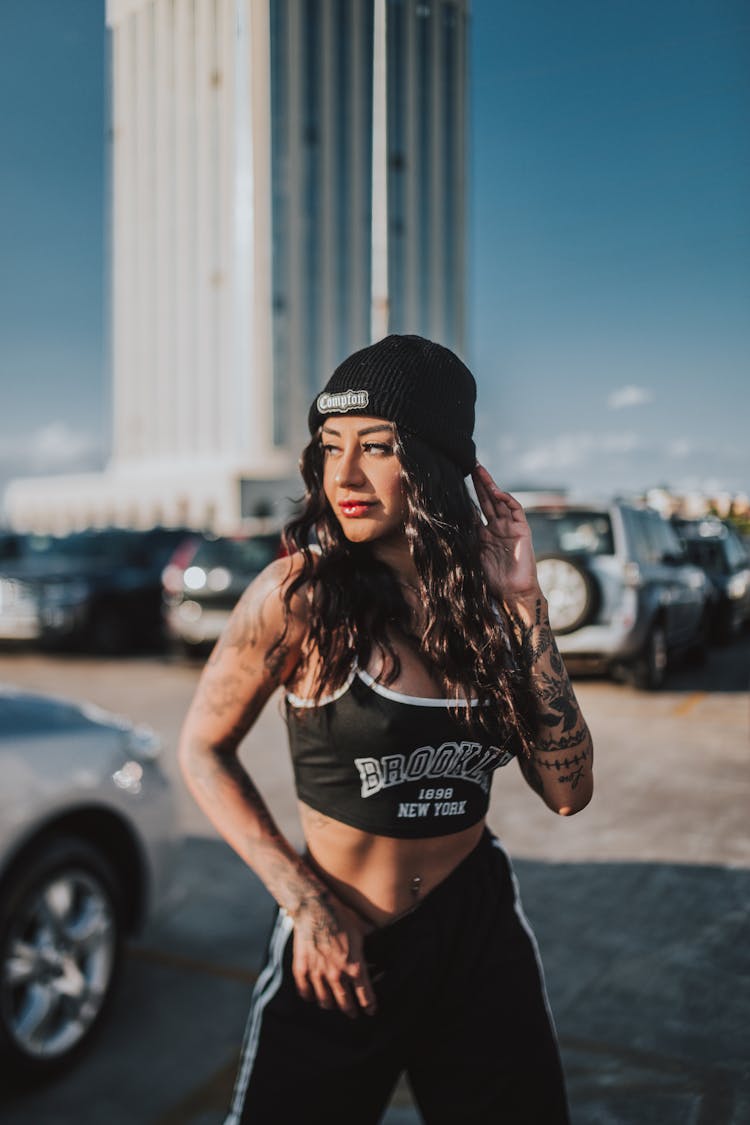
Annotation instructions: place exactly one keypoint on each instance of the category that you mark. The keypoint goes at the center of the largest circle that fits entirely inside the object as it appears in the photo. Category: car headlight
(737, 584)
(697, 580)
(129, 777)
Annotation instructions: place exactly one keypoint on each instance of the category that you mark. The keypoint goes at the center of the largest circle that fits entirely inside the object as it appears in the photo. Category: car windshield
(708, 553)
(91, 545)
(571, 532)
(246, 556)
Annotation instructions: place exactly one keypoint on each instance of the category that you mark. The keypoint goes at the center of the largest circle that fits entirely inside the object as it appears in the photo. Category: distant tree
(740, 520)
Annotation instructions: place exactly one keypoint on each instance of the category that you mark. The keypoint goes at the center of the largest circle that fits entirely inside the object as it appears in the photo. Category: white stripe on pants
(266, 987)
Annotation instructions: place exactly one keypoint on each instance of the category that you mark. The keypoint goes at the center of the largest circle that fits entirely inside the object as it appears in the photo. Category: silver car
(623, 597)
(87, 843)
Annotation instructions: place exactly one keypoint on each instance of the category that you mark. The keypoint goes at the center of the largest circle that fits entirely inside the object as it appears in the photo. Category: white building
(247, 256)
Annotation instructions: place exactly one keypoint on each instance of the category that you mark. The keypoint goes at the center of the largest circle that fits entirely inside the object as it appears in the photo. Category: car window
(246, 556)
(707, 553)
(91, 545)
(736, 553)
(571, 532)
(644, 537)
(667, 538)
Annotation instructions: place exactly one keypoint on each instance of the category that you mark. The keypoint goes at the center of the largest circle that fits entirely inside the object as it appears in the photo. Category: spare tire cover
(570, 589)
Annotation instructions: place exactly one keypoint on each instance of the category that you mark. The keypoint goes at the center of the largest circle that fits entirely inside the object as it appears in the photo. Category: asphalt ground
(640, 905)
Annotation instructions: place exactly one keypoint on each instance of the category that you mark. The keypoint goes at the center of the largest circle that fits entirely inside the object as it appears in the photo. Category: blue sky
(609, 249)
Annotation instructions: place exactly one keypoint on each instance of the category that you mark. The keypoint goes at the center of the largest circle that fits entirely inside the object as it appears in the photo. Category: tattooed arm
(560, 769)
(254, 655)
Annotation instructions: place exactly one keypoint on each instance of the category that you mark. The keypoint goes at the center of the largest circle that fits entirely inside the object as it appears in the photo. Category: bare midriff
(378, 876)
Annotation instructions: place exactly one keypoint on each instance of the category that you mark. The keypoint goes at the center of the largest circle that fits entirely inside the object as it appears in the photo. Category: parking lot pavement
(640, 905)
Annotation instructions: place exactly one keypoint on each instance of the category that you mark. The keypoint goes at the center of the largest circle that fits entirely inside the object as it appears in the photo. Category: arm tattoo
(311, 898)
(565, 742)
(242, 632)
(276, 658)
(558, 695)
(567, 763)
(533, 640)
(572, 778)
(285, 875)
(210, 769)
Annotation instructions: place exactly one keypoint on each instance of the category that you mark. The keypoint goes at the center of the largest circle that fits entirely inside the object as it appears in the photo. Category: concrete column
(328, 156)
(122, 196)
(204, 404)
(165, 384)
(225, 364)
(413, 175)
(379, 259)
(184, 227)
(435, 178)
(260, 94)
(358, 188)
(295, 261)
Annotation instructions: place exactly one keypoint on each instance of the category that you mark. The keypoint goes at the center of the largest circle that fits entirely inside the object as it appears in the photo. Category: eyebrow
(360, 433)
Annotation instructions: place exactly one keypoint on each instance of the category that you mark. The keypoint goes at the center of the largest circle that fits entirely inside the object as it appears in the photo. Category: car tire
(649, 670)
(61, 923)
(589, 602)
(726, 627)
(194, 651)
(697, 653)
(109, 633)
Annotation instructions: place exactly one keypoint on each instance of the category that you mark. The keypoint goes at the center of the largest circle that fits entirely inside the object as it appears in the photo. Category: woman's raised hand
(328, 960)
(507, 553)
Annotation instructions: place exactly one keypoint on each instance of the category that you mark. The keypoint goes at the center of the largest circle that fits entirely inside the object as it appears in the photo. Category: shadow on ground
(726, 668)
(648, 967)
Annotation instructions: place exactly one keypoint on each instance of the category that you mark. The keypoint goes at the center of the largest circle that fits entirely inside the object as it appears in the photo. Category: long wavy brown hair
(357, 604)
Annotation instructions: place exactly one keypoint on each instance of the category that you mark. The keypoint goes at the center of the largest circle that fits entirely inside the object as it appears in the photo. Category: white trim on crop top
(380, 689)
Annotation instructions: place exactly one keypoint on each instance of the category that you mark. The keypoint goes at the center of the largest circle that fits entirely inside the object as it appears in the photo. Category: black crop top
(392, 764)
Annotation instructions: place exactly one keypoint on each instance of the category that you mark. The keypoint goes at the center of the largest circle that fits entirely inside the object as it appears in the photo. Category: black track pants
(461, 1007)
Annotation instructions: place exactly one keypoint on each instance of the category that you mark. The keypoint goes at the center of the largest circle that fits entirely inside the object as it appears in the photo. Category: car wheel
(194, 651)
(697, 652)
(109, 633)
(60, 948)
(650, 669)
(571, 591)
(726, 626)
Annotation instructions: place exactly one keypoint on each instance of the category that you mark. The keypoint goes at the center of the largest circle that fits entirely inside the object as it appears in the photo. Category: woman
(414, 646)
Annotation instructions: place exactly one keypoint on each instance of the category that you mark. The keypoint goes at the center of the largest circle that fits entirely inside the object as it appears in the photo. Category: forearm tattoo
(211, 768)
(557, 695)
(304, 896)
(560, 725)
(284, 873)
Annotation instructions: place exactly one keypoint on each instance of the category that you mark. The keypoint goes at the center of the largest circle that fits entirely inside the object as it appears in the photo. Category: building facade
(279, 169)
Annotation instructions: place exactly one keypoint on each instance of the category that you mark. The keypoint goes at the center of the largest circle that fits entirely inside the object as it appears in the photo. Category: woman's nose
(349, 469)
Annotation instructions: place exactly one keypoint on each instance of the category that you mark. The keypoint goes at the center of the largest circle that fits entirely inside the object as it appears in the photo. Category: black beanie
(421, 386)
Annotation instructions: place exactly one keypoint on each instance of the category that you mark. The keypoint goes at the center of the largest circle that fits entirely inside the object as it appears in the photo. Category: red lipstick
(354, 509)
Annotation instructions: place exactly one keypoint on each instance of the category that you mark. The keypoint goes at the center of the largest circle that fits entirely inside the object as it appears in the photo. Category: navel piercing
(416, 885)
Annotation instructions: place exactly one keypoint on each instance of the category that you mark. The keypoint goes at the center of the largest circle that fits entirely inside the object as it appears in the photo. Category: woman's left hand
(507, 553)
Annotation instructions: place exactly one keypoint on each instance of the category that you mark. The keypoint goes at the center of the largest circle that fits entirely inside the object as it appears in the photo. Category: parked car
(14, 545)
(718, 549)
(623, 598)
(99, 589)
(204, 580)
(87, 845)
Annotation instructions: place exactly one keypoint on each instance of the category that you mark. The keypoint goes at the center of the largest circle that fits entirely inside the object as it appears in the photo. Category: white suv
(622, 595)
